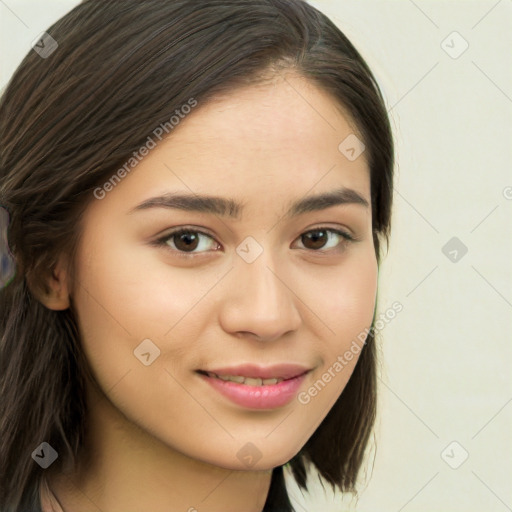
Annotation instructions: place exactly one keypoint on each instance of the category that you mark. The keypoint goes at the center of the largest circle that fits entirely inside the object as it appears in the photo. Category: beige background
(446, 385)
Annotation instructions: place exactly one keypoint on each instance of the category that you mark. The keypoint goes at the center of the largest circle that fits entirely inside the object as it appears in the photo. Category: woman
(197, 192)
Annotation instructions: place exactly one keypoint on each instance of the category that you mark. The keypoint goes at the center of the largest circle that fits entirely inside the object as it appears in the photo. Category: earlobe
(56, 293)
(56, 303)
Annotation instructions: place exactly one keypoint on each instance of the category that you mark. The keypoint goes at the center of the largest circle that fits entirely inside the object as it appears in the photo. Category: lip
(283, 371)
(269, 396)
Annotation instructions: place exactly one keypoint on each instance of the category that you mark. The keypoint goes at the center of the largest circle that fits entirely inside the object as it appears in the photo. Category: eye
(186, 241)
(325, 239)
(189, 241)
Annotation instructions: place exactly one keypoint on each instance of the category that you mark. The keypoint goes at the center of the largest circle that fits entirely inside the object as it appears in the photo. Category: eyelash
(347, 238)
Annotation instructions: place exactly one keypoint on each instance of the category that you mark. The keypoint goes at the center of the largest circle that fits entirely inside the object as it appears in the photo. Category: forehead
(288, 114)
(262, 144)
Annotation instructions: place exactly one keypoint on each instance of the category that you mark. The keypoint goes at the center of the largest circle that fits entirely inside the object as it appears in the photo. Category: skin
(159, 438)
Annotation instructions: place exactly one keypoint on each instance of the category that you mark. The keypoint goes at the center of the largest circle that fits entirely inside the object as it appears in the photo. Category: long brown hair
(70, 120)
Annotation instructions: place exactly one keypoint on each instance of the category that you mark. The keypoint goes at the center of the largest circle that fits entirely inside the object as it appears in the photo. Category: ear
(55, 295)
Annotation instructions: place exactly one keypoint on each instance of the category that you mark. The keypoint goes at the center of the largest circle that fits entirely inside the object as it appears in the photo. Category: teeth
(236, 378)
(253, 382)
(248, 381)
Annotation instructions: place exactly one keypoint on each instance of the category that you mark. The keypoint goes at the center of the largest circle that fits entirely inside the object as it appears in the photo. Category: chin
(260, 457)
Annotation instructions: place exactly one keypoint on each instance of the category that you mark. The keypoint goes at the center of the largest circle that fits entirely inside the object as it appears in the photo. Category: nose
(260, 303)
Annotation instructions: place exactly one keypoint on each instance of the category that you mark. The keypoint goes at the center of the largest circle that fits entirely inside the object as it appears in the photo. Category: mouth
(248, 381)
(256, 387)
(254, 375)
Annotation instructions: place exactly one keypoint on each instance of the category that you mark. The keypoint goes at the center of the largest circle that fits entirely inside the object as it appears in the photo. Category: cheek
(346, 307)
(355, 294)
(127, 296)
(121, 298)
(128, 288)
(345, 299)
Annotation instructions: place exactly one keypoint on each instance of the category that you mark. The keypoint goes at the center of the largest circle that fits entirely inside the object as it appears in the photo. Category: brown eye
(185, 241)
(188, 241)
(317, 239)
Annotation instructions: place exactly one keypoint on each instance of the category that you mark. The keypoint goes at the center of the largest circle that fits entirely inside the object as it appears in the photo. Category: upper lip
(282, 371)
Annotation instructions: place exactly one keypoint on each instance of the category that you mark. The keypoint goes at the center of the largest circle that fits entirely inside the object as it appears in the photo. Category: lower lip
(258, 397)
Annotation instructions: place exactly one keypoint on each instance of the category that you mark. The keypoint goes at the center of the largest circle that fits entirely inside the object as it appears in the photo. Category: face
(259, 290)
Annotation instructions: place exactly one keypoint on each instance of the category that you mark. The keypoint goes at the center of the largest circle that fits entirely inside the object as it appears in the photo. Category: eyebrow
(226, 207)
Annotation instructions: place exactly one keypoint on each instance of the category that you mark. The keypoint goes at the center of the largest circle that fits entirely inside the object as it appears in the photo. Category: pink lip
(258, 397)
